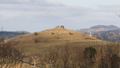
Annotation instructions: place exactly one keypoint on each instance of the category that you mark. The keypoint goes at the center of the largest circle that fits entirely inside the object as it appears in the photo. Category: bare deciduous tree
(35, 58)
(57, 26)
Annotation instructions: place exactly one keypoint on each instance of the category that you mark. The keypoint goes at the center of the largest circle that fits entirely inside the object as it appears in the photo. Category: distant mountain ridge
(104, 26)
(114, 31)
(17, 31)
(100, 28)
(108, 33)
(11, 34)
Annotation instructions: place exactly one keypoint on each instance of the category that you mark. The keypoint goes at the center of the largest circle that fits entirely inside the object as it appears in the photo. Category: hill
(104, 26)
(41, 41)
(114, 31)
(99, 28)
(109, 33)
(55, 34)
(108, 36)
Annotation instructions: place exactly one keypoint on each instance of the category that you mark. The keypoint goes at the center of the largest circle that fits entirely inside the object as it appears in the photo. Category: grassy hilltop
(40, 41)
(49, 35)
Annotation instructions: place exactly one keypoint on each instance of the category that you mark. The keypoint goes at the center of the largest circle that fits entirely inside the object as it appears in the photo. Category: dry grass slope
(52, 35)
(41, 41)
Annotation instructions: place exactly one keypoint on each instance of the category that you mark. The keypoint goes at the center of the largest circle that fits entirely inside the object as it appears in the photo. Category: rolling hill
(55, 34)
(41, 41)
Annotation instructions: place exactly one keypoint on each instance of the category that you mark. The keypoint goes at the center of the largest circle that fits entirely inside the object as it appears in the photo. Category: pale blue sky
(38, 15)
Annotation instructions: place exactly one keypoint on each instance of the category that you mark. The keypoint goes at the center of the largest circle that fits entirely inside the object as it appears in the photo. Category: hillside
(55, 34)
(114, 31)
(41, 41)
(108, 36)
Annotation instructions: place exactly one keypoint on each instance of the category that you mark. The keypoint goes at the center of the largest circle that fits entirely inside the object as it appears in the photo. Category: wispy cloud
(48, 14)
(40, 9)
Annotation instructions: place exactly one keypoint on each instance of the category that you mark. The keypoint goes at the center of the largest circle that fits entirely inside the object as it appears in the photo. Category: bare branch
(117, 14)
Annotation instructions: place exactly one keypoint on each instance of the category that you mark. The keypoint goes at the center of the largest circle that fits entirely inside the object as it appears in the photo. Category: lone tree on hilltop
(62, 26)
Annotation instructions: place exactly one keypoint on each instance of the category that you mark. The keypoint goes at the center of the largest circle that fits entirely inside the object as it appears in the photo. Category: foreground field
(43, 47)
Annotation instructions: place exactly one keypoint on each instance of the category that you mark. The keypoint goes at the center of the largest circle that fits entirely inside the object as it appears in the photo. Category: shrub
(70, 33)
(35, 33)
(89, 52)
(52, 33)
(89, 56)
